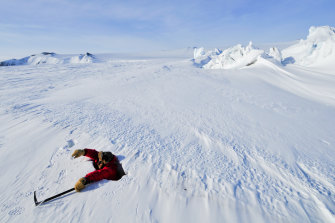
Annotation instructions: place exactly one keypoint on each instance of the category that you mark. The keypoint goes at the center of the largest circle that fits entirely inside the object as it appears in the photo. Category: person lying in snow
(106, 164)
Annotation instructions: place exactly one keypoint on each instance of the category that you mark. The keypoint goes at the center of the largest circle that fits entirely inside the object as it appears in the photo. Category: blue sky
(77, 26)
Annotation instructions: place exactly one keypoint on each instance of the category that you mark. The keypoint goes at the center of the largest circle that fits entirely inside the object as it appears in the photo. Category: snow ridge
(234, 57)
(82, 58)
(317, 49)
(50, 58)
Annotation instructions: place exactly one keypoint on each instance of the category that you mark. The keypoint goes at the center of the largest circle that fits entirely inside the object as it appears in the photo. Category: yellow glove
(78, 152)
(80, 184)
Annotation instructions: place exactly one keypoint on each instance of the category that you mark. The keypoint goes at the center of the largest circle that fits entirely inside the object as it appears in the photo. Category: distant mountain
(50, 58)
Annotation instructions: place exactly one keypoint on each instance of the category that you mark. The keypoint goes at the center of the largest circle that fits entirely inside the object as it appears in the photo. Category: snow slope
(254, 144)
(248, 145)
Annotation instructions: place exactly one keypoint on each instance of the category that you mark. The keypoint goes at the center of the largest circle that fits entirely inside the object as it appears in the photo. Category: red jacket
(111, 171)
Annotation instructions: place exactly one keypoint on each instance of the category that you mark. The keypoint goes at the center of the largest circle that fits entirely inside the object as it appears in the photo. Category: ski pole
(50, 198)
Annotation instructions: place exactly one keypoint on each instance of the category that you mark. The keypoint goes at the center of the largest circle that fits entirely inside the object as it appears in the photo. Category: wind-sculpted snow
(49, 58)
(275, 55)
(199, 145)
(234, 57)
(317, 49)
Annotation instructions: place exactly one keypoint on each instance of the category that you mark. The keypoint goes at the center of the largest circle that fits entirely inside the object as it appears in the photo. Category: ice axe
(50, 198)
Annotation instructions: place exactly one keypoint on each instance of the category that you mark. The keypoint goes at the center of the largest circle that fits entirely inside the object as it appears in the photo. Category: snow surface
(200, 145)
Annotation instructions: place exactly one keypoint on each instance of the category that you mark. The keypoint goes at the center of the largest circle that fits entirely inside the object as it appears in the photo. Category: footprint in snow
(16, 211)
(71, 143)
(7, 206)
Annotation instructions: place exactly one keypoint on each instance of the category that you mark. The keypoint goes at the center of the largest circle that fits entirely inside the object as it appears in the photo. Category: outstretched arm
(91, 153)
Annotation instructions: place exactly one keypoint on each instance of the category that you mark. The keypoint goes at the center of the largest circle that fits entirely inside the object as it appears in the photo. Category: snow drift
(234, 57)
(49, 58)
(317, 49)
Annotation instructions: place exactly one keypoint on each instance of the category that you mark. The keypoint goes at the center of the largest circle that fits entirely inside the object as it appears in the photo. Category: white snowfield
(249, 144)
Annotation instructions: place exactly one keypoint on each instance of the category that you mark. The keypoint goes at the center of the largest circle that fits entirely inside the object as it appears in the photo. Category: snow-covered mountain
(200, 145)
(50, 58)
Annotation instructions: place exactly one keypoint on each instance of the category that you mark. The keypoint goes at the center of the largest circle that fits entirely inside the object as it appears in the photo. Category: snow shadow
(288, 60)
(120, 157)
(95, 185)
